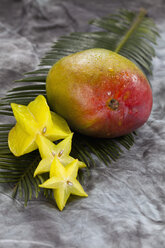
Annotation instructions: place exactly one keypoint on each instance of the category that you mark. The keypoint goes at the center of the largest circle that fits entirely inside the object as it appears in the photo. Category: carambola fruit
(63, 181)
(32, 120)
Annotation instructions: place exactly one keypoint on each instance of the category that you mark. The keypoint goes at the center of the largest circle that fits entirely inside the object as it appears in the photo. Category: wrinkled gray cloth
(126, 203)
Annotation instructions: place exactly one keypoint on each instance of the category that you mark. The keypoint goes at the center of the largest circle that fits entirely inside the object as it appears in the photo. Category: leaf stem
(134, 25)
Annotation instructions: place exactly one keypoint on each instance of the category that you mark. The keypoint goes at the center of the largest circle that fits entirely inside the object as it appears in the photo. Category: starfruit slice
(34, 119)
(63, 181)
(48, 150)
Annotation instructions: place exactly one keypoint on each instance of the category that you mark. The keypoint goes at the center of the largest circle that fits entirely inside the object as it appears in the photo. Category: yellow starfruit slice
(48, 150)
(34, 119)
(63, 182)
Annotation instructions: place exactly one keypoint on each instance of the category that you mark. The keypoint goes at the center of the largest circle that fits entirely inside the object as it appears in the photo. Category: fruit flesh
(99, 93)
(48, 150)
(63, 182)
(31, 121)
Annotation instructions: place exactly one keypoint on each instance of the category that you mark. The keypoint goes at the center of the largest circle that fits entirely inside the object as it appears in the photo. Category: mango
(99, 93)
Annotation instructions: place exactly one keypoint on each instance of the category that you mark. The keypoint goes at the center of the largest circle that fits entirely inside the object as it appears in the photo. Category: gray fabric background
(126, 203)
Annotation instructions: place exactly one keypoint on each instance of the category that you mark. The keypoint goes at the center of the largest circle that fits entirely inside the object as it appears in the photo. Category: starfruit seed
(53, 153)
(44, 130)
(60, 153)
(69, 183)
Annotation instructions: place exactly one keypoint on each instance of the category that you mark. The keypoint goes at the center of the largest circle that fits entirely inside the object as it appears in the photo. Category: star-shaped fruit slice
(48, 150)
(36, 118)
(63, 181)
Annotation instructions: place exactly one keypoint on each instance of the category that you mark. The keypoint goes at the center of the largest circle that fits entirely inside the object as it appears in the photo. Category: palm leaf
(128, 33)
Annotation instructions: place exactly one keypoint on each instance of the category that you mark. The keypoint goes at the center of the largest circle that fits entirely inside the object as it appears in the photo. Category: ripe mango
(99, 93)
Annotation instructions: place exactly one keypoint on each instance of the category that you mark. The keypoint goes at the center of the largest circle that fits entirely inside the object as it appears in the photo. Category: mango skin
(99, 93)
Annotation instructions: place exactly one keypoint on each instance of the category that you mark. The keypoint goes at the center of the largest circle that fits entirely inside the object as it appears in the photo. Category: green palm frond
(132, 35)
(128, 33)
(19, 171)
